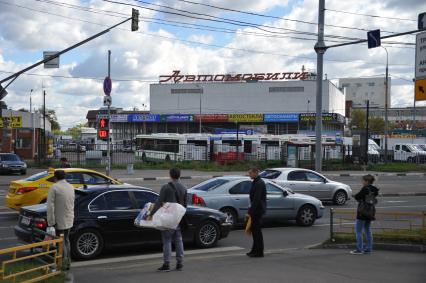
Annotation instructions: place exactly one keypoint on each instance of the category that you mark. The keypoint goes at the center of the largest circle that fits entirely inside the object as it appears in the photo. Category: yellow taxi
(34, 189)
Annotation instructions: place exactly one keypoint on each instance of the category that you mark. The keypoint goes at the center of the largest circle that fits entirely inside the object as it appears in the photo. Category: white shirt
(60, 205)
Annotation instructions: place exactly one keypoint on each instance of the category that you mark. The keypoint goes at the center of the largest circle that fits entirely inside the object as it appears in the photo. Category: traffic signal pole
(108, 168)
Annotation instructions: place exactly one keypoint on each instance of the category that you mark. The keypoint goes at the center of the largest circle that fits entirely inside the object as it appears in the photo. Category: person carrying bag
(366, 212)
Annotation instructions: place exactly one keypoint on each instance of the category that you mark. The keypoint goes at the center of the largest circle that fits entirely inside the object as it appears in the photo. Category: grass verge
(21, 266)
(408, 237)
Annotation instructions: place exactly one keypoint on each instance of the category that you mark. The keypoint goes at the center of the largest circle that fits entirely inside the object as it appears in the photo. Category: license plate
(25, 221)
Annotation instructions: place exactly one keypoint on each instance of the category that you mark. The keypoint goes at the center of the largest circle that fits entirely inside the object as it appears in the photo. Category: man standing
(256, 211)
(64, 163)
(174, 192)
(60, 212)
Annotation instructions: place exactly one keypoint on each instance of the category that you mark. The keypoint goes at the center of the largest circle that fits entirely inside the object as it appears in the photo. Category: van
(409, 153)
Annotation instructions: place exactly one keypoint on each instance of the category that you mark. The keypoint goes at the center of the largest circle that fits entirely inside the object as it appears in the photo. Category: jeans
(256, 231)
(167, 237)
(66, 262)
(365, 225)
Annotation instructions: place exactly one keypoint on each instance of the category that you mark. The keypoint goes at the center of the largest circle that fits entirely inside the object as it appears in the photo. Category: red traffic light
(103, 123)
(103, 134)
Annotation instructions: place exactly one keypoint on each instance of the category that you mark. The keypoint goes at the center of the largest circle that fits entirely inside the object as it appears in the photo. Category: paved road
(291, 265)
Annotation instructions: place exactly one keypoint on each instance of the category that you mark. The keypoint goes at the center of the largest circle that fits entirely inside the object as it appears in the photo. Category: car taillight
(196, 200)
(40, 223)
(25, 190)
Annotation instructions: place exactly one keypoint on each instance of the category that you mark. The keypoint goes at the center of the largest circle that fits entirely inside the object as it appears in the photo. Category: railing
(409, 226)
(43, 261)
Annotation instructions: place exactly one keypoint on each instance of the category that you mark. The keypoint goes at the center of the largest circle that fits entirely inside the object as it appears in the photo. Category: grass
(397, 167)
(417, 236)
(21, 266)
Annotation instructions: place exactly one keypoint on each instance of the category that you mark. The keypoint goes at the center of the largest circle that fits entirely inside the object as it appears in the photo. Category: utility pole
(320, 49)
(413, 127)
(386, 105)
(366, 131)
(44, 125)
(108, 169)
(31, 102)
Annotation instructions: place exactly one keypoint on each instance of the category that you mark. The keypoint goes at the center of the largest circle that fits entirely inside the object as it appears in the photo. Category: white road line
(151, 256)
(396, 201)
(8, 238)
(6, 227)
(401, 206)
(9, 213)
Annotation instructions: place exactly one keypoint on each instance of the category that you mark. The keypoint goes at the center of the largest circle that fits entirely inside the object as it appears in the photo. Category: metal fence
(388, 224)
(290, 155)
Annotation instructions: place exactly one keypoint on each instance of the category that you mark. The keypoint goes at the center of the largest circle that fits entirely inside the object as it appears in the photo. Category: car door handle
(102, 217)
(237, 199)
(292, 184)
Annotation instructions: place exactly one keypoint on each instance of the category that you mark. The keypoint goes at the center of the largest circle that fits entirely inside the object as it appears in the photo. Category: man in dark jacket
(256, 211)
(174, 192)
(366, 198)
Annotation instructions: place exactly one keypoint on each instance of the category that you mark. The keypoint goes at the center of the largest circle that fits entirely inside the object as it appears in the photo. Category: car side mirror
(84, 186)
(285, 193)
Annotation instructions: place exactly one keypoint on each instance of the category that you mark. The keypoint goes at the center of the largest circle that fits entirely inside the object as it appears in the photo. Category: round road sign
(107, 86)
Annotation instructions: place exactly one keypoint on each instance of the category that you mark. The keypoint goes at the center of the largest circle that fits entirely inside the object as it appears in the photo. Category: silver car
(309, 182)
(230, 195)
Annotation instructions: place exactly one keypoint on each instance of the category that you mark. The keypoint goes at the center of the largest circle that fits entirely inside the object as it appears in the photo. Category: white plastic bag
(51, 233)
(168, 216)
(144, 216)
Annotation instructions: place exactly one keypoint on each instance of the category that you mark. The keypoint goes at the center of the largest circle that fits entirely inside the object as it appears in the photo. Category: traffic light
(135, 19)
(103, 129)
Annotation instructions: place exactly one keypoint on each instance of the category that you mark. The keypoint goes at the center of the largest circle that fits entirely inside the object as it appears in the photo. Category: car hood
(37, 208)
(304, 197)
(337, 184)
(12, 162)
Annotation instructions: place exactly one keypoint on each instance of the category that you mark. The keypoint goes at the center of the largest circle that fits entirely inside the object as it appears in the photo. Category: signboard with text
(140, 118)
(330, 117)
(283, 117)
(420, 71)
(245, 117)
(177, 118)
(212, 118)
(11, 122)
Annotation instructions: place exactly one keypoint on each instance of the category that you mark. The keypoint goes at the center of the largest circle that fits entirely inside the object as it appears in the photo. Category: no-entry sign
(107, 86)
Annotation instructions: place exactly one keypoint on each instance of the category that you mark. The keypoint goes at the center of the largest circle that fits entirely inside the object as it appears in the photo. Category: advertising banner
(11, 122)
(212, 118)
(245, 117)
(330, 117)
(120, 118)
(283, 117)
(140, 118)
(177, 118)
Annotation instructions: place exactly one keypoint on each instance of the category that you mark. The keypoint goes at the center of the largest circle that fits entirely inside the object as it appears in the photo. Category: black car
(11, 163)
(104, 218)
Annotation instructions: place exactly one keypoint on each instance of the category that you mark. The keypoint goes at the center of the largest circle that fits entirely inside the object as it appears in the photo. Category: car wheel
(207, 234)
(340, 197)
(232, 215)
(87, 244)
(306, 215)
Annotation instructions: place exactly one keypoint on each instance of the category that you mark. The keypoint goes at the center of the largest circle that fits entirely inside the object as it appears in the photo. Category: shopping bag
(248, 226)
(169, 216)
(50, 233)
(144, 216)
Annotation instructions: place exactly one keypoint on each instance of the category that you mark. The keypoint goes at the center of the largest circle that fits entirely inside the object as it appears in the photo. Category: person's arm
(257, 197)
(51, 220)
(160, 200)
(185, 200)
(361, 194)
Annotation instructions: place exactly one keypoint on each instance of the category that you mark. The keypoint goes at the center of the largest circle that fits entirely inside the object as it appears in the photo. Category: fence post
(332, 225)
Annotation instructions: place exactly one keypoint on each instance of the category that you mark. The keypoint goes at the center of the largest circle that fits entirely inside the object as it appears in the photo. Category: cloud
(207, 39)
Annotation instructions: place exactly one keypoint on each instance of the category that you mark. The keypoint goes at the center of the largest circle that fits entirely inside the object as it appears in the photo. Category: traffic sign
(107, 86)
(54, 63)
(420, 56)
(420, 90)
(421, 23)
(107, 100)
(373, 38)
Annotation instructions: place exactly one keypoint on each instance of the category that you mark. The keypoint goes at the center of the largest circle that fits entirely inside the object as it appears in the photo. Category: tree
(52, 118)
(376, 125)
(75, 131)
(358, 119)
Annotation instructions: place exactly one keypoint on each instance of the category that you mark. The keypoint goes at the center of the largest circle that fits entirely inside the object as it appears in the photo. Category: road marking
(6, 227)
(396, 201)
(401, 206)
(9, 213)
(150, 256)
(8, 238)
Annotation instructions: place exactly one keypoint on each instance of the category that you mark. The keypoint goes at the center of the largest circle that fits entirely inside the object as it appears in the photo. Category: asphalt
(284, 265)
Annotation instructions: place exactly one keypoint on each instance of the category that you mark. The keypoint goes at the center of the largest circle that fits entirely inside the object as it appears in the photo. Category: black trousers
(256, 231)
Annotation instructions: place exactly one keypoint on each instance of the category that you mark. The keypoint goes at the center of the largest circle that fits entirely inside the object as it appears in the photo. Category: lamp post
(386, 104)
(201, 90)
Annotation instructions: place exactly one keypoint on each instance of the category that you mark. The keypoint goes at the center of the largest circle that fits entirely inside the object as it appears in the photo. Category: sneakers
(179, 267)
(356, 252)
(367, 252)
(164, 268)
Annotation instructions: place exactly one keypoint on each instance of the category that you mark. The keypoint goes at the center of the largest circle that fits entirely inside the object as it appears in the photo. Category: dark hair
(174, 173)
(64, 159)
(369, 179)
(59, 175)
(254, 170)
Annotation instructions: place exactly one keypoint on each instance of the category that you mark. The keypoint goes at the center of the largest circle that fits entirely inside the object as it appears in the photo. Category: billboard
(140, 118)
(177, 118)
(11, 122)
(245, 117)
(212, 117)
(282, 117)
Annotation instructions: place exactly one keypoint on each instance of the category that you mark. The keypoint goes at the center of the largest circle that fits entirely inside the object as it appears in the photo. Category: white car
(309, 182)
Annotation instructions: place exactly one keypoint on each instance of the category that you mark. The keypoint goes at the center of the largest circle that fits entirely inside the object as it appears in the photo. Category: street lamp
(201, 91)
(386, 104)
(31, 101)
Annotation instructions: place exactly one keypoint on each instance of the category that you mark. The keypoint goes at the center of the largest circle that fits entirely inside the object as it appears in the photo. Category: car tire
(232, 215)
(207, 234)
(340, 197)
(306, 215)
(87, 244)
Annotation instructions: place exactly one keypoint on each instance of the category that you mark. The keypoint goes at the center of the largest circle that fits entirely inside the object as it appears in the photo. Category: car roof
(104, 188)
(233, 177)
(287, 169)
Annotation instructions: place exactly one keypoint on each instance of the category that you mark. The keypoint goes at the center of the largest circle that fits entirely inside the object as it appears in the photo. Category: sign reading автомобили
(283, 117)
(138, 118)
(177, 118)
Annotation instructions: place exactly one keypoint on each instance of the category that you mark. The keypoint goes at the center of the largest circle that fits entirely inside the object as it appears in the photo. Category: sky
(277, 36)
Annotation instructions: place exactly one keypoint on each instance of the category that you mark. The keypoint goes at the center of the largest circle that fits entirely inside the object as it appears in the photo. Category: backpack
(367, 207)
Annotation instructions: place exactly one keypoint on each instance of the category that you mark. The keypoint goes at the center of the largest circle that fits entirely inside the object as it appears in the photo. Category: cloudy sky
(275, 36)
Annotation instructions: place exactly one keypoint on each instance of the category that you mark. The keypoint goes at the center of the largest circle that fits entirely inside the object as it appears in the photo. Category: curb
(380, 246)
(375, 174)
(403, 195)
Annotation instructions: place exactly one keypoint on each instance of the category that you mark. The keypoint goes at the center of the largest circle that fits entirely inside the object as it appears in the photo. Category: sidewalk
(278, 266)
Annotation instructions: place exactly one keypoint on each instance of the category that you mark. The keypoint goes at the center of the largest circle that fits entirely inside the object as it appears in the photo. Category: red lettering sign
(176, 77)
(212, 118)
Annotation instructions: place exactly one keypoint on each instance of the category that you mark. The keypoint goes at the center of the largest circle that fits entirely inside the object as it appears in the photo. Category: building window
(346, 85)
(23, 143)
(358, 84)
(287, 89)
(186, 90)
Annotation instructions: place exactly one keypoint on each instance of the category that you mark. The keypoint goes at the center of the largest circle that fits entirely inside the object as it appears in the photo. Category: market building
(270, 103)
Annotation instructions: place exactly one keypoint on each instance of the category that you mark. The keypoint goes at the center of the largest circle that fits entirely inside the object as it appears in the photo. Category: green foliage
(52, 118)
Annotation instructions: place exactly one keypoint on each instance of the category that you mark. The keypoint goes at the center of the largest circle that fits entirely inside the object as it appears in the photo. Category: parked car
(309, 182)
(11, 163)
(72, 147)
(104, 218)
(34, 189)
(409, 153)
(230, 195)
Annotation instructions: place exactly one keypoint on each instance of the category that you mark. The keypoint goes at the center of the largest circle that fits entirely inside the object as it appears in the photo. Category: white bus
(172, 147)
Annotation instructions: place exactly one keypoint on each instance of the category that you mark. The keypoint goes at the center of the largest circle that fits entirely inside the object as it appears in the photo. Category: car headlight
(321, 205)
(4, 165)
(24, 165)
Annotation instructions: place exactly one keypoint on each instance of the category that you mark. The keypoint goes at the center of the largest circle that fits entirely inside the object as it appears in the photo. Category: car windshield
(210, 185)
(270, 174)
(9, 157)
(37, 176)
